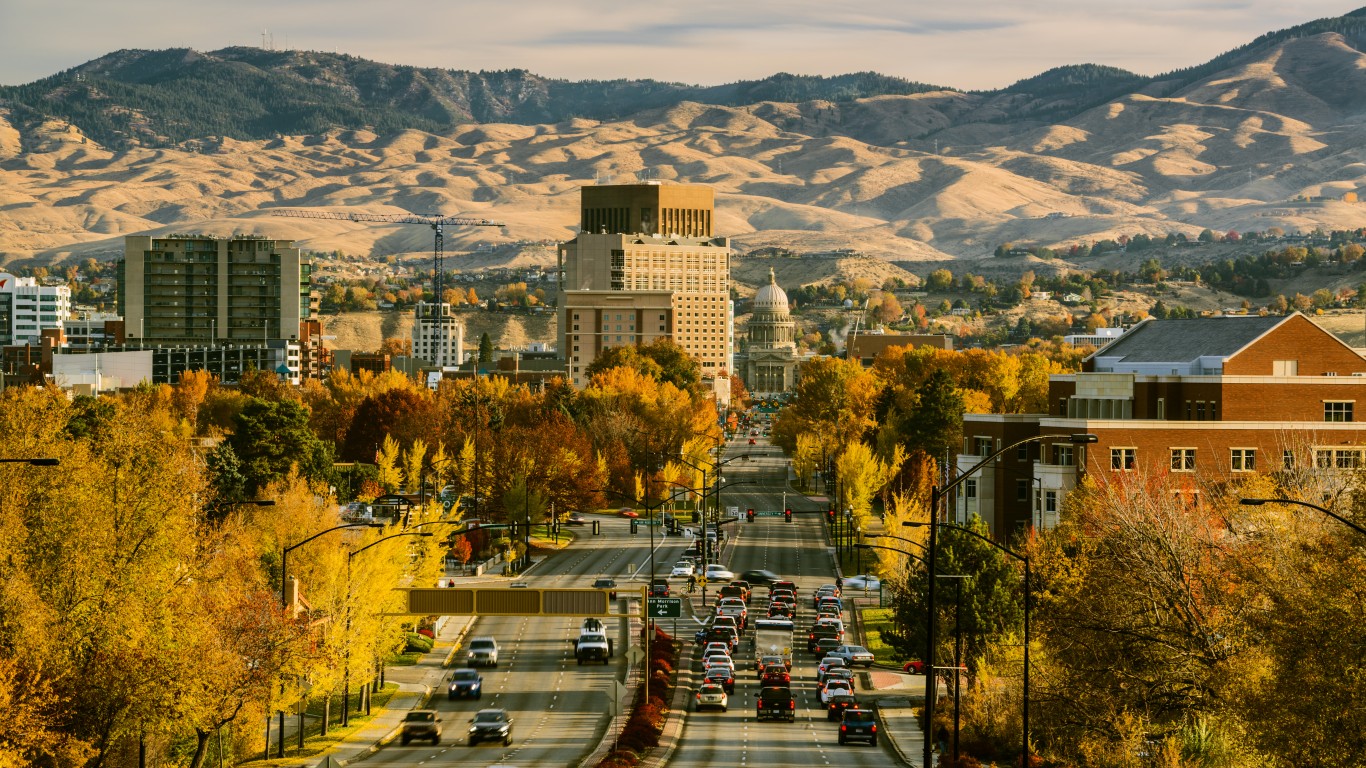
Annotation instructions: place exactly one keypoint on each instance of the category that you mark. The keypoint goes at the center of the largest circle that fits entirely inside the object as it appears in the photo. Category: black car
(466, 683)
(776, 702)
(606, 583)
(858, 725)
(491, 725)
(838, 703)
(760, 577)
(420, 724)
(722, 677)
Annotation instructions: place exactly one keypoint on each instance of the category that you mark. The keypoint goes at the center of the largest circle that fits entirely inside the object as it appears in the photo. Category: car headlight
(473, 729)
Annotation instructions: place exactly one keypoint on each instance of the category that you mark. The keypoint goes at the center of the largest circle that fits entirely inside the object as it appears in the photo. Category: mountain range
(1269, 134)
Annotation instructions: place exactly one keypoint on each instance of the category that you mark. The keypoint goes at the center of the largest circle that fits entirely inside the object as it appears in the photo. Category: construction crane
(436, 221)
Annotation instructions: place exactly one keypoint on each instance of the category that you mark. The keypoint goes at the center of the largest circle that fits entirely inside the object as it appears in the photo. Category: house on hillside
(1205, 400)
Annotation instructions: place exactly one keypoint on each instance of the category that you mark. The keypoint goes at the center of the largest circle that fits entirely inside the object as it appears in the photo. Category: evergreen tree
(485, 349)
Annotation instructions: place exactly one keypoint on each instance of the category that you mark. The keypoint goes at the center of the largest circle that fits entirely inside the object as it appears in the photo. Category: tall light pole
(936, 493)
(346, 671)
(1027, 591)
(284, 556)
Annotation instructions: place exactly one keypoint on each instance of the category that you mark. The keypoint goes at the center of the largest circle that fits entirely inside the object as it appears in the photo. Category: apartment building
(646, 265)
(1201, 400)
(27, 308)
(438, 335)
(202, 290)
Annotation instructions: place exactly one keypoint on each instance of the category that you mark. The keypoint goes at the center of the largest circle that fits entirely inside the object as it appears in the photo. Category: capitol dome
(771, 298)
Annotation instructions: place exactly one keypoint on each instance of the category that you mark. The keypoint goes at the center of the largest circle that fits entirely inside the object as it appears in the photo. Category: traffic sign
(769, 513)
(447, 504)
(665, 607)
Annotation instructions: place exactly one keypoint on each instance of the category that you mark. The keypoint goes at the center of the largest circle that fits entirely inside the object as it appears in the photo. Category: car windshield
(490, 717)
(483, 645)
(466, 675)
(420, 717)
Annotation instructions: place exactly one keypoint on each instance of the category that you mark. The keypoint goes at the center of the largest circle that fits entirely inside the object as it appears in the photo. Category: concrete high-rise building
(200, 290)
(646, 265)
(438, 335)
(27, 308)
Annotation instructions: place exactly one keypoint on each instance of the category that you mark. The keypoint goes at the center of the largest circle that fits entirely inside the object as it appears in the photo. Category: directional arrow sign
(665, 607)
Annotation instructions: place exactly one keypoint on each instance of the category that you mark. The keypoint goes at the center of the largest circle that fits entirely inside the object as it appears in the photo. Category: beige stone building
(771, 357)
(644, 266)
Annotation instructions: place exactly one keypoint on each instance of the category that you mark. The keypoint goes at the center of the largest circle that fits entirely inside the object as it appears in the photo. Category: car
(483, 652)
(420, 724)
(722, 677)
(823, 645)
(752, 441)
(760, 577)
(682, 568)
(858, 724)
(776, 674)
(776, 702)
(726, 635)
(828, 590)
(832, 687)
(576, 518)
(770, 661)
(786, 598)
(605, 583)
(711, 648)
(732, 590)
(490, 725)
(781, 611)
(839, 673)
(836, 704)
(628, 512)
(726, 621)
(832, 605)
(787, 585)
(519, 585)
(913, 667)
(719, 660)
(718, 572)
(863, 581)
(659, 588)
(827, 663)
(465, 684)
(711, 696)
(854, 654)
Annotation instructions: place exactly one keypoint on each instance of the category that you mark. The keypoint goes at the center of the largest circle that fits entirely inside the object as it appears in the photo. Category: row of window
(1243, 459)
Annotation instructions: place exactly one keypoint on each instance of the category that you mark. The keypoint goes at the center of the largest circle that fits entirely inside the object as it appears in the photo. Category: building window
(1062, 406)
(1022, 490)
(982, 445)
(1288, 459)
(1123, 459)
(1337, 410)
(1022, 452)
(1161, 407)
(1062, 455)
(1188, 410)
(1337, 458)
(1183, 459)
(1050, 501)
(1200, 410)
(1244, 460)
(970, 488)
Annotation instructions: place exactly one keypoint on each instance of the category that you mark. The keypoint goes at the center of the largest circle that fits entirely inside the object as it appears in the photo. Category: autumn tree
(272, 437)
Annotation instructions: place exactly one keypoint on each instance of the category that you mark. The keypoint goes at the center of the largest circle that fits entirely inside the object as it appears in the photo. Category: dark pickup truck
(777, 703)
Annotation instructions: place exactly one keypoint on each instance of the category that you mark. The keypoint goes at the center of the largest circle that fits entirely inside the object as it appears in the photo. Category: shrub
(418, 643)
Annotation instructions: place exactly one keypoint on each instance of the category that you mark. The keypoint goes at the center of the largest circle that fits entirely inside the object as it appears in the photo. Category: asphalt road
(796, 551)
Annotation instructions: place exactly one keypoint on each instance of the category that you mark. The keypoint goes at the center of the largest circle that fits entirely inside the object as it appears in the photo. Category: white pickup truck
(592, 644)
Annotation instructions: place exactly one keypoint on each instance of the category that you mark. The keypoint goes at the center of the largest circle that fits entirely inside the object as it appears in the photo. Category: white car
(854, 654)
(835, 686)
(828, 663)
(718, 660)
(682, 568)
(717, 572)
(863, 581)
(712, 696)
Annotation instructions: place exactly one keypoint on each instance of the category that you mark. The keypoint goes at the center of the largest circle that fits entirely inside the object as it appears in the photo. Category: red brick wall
(1318, 352)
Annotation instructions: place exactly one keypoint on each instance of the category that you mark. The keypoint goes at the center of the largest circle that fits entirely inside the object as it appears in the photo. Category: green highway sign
(768, 513)
(665, 607)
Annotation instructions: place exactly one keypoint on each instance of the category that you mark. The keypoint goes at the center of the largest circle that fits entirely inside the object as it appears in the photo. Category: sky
(969, 44)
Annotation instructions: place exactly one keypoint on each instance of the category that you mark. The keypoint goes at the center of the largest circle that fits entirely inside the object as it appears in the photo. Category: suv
(858, 724)
(659, 587)
(606, 583)
(483, 652)
(776, 702)
(421, 724)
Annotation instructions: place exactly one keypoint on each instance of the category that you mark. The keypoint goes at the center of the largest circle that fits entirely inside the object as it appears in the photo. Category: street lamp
(346, 672)
(284, 556)
(1027, 581)
(931, 690)
(1335, 516)
(422, 479)
(898, 538)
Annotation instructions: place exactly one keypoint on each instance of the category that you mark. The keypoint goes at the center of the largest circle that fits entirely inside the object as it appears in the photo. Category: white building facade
(438, 335)
(28, 308)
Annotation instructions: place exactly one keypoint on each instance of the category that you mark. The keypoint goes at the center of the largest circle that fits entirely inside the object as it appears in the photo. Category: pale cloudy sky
(970, 44)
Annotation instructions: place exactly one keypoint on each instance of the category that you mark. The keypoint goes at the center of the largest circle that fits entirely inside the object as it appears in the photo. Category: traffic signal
(749, 514)
(512, 529)
(830, 515)
(634, 525)
(787, 513)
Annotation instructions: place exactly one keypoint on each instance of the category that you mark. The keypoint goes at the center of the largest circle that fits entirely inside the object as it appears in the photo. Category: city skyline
(983, 45)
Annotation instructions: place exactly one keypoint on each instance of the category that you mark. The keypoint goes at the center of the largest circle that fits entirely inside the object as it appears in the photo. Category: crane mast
(436, 221)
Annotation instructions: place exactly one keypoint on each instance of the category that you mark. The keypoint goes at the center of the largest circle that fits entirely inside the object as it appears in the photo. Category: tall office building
(438, 335)
(646, 265)
(200, 290)
(27, 308)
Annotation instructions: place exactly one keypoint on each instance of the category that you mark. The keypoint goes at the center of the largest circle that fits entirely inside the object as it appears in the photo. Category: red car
(751, 441)
(913, 667)
(629, 513)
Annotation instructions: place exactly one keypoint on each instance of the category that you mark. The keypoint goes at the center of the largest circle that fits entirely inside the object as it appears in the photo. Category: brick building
(1202, 399)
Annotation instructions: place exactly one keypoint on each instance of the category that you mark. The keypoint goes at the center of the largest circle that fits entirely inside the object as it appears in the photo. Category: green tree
(939, 280)
(272, 438)
(485, 349)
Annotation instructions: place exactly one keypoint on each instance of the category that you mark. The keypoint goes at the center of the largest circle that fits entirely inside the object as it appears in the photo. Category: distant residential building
(865, 346)
(28, 308)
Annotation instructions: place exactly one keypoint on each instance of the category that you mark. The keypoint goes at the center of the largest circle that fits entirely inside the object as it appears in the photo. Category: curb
(896, 745)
